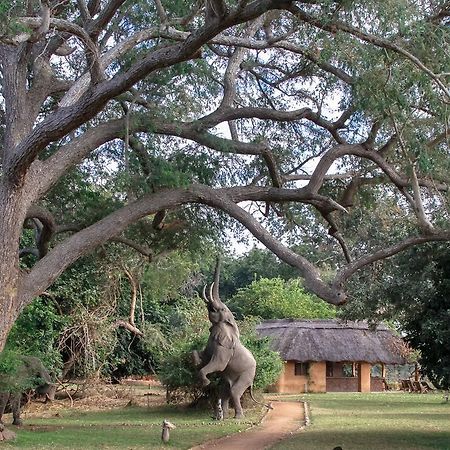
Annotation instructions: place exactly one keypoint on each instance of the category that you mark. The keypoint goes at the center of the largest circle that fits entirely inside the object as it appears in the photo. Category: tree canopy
(275, 298)
(151, 123)
(413, 293)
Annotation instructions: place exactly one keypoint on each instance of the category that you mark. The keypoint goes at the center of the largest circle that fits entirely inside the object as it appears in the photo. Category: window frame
(301, 368)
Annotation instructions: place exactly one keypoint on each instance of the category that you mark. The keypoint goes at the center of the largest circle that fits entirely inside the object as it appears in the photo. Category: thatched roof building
(332, 340)
(330, 355)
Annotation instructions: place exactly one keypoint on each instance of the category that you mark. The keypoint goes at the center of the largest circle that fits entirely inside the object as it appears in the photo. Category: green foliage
(188, 331)
(134, 355)
(178, 373)
(36, 332)
(15, 376)
(9, 11)
(9, 363)
(268, 362)
(278, 299)
(411, 291)
(257, 263)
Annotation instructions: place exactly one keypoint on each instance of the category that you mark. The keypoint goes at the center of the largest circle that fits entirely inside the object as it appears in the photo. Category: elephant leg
(197, 358)
(217, 363)
(225, 397)
(15, 407)
(4, 397)
(237, 390)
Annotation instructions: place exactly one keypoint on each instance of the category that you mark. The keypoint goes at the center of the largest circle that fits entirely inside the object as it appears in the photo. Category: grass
(125, 428)
(374, 422)
(353, 421)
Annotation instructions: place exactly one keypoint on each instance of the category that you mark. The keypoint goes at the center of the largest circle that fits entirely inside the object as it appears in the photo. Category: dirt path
(284, 419)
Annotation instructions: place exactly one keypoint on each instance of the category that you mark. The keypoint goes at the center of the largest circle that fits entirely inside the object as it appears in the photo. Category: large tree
(286, 109)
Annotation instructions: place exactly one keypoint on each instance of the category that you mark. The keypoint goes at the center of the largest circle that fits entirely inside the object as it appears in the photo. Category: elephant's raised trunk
(215, 285)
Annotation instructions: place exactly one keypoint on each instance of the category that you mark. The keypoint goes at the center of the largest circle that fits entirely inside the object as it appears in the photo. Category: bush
(274, 298)
(36, 333)
(15, 374)
(178, 373)
(268, 362)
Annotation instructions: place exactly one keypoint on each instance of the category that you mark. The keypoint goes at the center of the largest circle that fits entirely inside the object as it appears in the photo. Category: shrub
(274, 298)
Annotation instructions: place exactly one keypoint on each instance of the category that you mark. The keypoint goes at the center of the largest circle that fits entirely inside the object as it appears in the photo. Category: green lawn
(374, 422)
(353, 421)
(125, 428)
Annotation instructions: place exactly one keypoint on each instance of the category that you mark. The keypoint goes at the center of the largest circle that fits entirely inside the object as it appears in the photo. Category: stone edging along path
(285, 418)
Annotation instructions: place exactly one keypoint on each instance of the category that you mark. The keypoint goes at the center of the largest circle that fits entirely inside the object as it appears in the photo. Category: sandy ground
(279, 423)
(97, 397)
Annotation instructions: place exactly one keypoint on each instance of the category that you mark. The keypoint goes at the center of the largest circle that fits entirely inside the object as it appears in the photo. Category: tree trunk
(12, 213)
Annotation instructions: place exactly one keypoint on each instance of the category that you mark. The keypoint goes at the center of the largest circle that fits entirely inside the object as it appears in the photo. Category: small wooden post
(166, 427)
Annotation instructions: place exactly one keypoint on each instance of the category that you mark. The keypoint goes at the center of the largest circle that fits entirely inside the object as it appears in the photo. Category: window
(376, 370)
(348, 370)
(301, 368)
(329, 369)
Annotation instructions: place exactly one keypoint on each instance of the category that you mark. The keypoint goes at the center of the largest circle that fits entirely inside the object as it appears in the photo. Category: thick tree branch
(44, 228)
(345, 273)
(128, 326)
(233, 68)
(64, 254)
(161, 12)
(307, 270)
(44, 174)
(104, 17)
(64, 120)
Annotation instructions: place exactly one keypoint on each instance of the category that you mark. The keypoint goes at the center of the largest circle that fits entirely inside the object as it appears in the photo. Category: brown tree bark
(12, 214)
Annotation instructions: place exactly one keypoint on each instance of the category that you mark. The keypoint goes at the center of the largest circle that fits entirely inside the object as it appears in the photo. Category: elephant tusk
(211, 292)
(205, 298)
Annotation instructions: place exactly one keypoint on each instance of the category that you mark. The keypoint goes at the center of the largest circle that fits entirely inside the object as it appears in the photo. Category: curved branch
(344, 274)
(307, 270)
(233, 68)
(104, 17)
(45, 227)
(355, 150)
(47, 172)
(143, 250)
(65, 26)
(128, 326)
(47, 269)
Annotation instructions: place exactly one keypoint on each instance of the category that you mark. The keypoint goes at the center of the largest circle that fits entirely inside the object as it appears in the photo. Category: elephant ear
(224, 336)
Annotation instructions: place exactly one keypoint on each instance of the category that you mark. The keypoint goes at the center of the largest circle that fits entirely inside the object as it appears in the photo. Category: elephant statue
(30, 375)
(225, 353)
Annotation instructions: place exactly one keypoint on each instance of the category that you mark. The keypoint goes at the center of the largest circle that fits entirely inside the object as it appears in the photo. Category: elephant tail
(267, 405)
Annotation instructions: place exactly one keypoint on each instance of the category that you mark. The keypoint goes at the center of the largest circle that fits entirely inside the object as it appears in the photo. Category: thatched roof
(332, 340)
